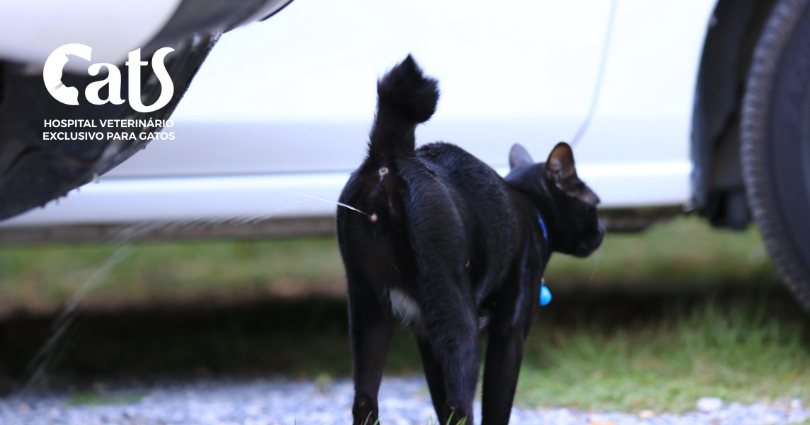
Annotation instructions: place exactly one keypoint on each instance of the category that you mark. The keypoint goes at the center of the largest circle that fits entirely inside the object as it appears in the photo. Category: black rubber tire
(775, 150)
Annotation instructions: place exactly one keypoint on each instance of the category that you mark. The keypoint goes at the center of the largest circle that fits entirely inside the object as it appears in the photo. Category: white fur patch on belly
(404, 307)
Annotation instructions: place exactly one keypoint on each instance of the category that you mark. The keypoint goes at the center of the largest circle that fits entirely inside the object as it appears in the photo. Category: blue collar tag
(545, 294)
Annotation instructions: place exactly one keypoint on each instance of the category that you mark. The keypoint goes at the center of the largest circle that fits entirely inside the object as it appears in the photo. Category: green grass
(683, 252)
(653, 321)
(746, 351)
(100, 398)
(43, 277)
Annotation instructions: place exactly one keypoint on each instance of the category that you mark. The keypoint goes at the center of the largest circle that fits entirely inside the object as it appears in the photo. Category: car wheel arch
(718, 189)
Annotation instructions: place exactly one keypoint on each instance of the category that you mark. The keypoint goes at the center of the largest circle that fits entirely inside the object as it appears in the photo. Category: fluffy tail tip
(409, 91)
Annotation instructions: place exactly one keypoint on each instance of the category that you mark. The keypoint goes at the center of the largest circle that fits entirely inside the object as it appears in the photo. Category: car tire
(775, 141)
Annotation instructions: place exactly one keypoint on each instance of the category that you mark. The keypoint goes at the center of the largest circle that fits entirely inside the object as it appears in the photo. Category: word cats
(55, 64)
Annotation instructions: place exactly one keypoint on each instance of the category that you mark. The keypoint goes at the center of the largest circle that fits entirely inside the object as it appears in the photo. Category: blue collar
(545, 293)
(542, 225)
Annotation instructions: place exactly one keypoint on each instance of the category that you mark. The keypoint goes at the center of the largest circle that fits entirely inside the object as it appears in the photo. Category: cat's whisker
(340, 204)
(596, 266)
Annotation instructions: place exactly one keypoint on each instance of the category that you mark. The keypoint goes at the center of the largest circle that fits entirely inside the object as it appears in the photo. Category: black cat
(445, 242)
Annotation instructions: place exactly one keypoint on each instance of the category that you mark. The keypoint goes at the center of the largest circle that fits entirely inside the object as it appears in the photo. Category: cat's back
(462, 170)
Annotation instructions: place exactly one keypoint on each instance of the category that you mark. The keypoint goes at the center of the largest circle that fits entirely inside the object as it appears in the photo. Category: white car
(677, 106)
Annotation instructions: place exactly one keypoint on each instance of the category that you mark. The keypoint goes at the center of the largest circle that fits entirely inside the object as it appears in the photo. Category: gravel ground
(265, 402)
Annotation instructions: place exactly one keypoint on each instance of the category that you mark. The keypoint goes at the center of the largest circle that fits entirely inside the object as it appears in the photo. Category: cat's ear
(560, 163)
(519, 156)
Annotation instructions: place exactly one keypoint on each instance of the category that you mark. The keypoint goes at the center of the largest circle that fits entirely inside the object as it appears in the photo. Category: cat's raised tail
(405, 98)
